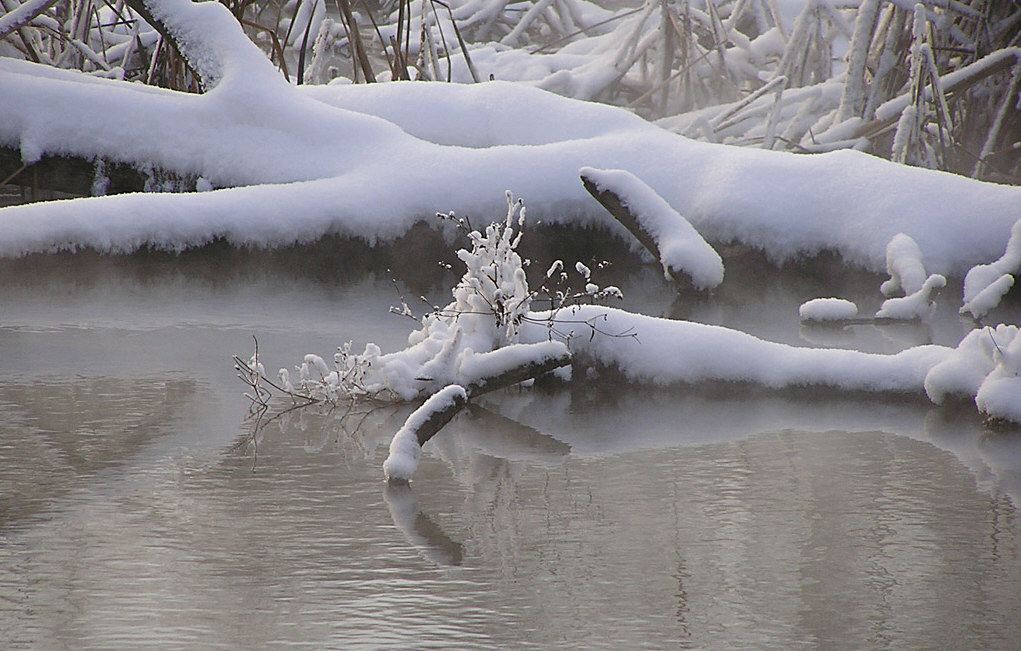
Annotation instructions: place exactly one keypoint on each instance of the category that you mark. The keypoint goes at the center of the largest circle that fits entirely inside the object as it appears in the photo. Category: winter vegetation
(883, 131)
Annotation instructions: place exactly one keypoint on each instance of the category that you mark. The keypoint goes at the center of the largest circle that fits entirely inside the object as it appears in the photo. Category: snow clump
(827, 309)
(986, 284)
(918, 305)
(904, 264)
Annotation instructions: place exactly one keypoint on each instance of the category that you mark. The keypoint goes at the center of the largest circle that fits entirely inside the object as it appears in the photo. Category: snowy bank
(360, 161)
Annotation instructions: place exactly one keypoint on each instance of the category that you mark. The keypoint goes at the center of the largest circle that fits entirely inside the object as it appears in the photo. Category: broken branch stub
(613, 204)
(441, 407)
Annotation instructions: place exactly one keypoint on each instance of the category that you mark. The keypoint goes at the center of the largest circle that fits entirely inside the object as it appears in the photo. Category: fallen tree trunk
(609, 200)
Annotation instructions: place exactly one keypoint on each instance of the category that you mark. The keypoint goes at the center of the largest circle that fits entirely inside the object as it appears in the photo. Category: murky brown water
(136, 512)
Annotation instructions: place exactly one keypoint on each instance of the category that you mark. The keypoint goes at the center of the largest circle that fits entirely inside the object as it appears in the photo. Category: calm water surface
(139, 509)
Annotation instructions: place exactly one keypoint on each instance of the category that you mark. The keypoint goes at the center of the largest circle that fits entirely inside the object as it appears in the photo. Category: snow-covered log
(682, 352)
(316, 156)
(421, 425)
(510, 365)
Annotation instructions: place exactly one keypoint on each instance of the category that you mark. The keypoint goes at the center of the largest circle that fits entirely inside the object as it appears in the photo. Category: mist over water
(136, 509)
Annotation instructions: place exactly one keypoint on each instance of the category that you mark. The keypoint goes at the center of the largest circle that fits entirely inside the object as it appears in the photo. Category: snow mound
(827, 309)
(963, 371)
(1000, 393)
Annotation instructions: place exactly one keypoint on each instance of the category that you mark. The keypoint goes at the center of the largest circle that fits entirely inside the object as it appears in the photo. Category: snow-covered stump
(664, 233)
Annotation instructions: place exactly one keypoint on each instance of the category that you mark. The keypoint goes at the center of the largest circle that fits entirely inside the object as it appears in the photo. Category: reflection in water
(418, 528)
(54, 432)
(652, 532)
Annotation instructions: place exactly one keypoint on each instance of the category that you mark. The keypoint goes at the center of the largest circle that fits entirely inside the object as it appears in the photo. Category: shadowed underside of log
(77, 176)
(69, 175)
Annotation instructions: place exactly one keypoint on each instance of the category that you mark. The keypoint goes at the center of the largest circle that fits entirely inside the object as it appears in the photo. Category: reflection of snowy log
(497, 436)
(495, 370)
(424, 534)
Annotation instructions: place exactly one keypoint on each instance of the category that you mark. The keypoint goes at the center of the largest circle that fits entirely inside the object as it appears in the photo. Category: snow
(668, 352)
(918, 305)
(962, 373)
(989, 297)
(1000, 393)
(827, 309)
(904, 264)
(475, 368)
(411, 149)
(405, 449)
(681, 248)
(371, 161)
(985, 285)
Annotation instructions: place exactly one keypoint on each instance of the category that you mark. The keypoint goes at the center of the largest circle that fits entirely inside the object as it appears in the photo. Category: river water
(139, 507)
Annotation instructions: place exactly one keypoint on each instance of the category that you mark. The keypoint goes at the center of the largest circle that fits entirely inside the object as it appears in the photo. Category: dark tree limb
(434, 420)
(526, 371)
(440, 408)
(613, 204)
(71, 175)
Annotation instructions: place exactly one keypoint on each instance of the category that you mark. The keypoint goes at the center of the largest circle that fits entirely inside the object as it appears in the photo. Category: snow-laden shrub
(472, 339)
